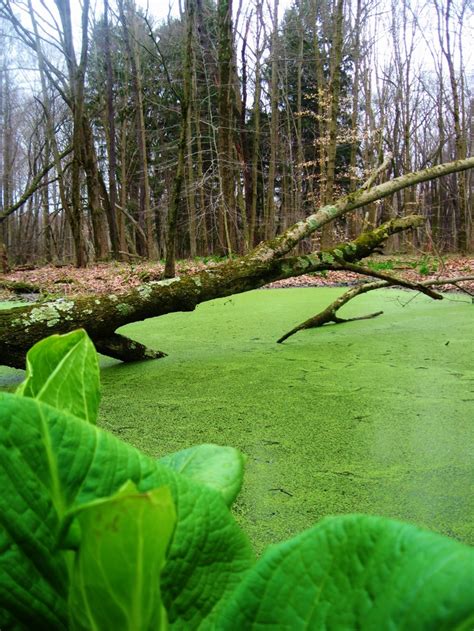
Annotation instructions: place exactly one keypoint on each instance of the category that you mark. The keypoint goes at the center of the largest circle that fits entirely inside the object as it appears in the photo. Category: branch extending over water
(329, 313)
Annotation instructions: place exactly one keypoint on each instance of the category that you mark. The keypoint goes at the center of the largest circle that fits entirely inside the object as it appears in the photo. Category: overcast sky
(161, 8)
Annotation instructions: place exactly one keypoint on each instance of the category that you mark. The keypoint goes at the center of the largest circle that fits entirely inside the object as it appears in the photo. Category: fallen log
(19, 287)
(102, 315)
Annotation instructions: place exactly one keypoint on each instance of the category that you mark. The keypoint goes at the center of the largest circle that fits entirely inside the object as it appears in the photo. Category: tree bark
(226, 208)
(460, 137)
(185, 99)
(127, 350)
(269, 215)
(128, 20)
(115, 243)
(252, 219)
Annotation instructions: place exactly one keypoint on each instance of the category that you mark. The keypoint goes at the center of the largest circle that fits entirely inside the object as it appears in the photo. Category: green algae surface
(374, 416)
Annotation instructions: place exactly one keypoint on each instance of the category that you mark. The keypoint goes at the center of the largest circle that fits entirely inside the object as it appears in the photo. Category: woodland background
(126, 138)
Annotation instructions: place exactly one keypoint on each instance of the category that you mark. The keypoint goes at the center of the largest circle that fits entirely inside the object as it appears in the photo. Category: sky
(161, 8)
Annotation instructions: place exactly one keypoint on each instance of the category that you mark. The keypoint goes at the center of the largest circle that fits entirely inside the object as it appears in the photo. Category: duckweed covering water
(372, 416)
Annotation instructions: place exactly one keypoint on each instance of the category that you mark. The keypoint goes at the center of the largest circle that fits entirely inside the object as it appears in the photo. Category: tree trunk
(252, 219)
(272, 166)
(460, 139)
(170, 264)
(297, 207)
(46, 226)
(95, 193)
(131, 43)
(225, 130)
(116, 245)
(76, 73)
(351, 224)
(190, 187)
(333, 96)
(185, 98)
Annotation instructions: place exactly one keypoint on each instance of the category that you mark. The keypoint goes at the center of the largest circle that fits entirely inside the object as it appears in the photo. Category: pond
(374, 416)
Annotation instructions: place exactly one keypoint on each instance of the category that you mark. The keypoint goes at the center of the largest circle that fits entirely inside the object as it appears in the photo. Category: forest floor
(67, 280)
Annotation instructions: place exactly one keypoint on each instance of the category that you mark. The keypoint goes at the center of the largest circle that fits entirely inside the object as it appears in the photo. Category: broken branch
(329, 314)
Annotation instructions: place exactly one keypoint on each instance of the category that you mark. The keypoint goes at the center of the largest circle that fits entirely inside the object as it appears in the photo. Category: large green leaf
(221, 468)
(63, 370)
(358, 572)
(50, 461)
(123, 542)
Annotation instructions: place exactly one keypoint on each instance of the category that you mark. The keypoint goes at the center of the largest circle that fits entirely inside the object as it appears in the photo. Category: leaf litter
(119, 278)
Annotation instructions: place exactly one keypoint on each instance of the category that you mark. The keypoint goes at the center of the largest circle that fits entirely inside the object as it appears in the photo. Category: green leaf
(63, 370)
(50, 462)
(358, 572)
(220, 468)
(116, 577)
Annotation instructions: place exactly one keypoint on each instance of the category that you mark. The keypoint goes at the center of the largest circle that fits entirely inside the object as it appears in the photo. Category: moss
(123, 308)
(46, 313)
(64, 306)
(150, 353)
(50, 314)
(303, 263)
(145, 291)
(328, 258)
(312, 223)
(166, 281)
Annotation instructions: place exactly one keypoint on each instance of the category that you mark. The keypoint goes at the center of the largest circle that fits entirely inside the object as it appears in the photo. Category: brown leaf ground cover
(120, 277)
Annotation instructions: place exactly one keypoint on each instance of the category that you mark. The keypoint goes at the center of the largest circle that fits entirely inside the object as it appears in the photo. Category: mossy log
(19, 287)
(101, 315)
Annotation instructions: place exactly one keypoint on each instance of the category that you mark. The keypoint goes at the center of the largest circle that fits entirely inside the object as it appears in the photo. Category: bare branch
(373, 176)
(35, 184)
(329, 314)
(391, 280)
